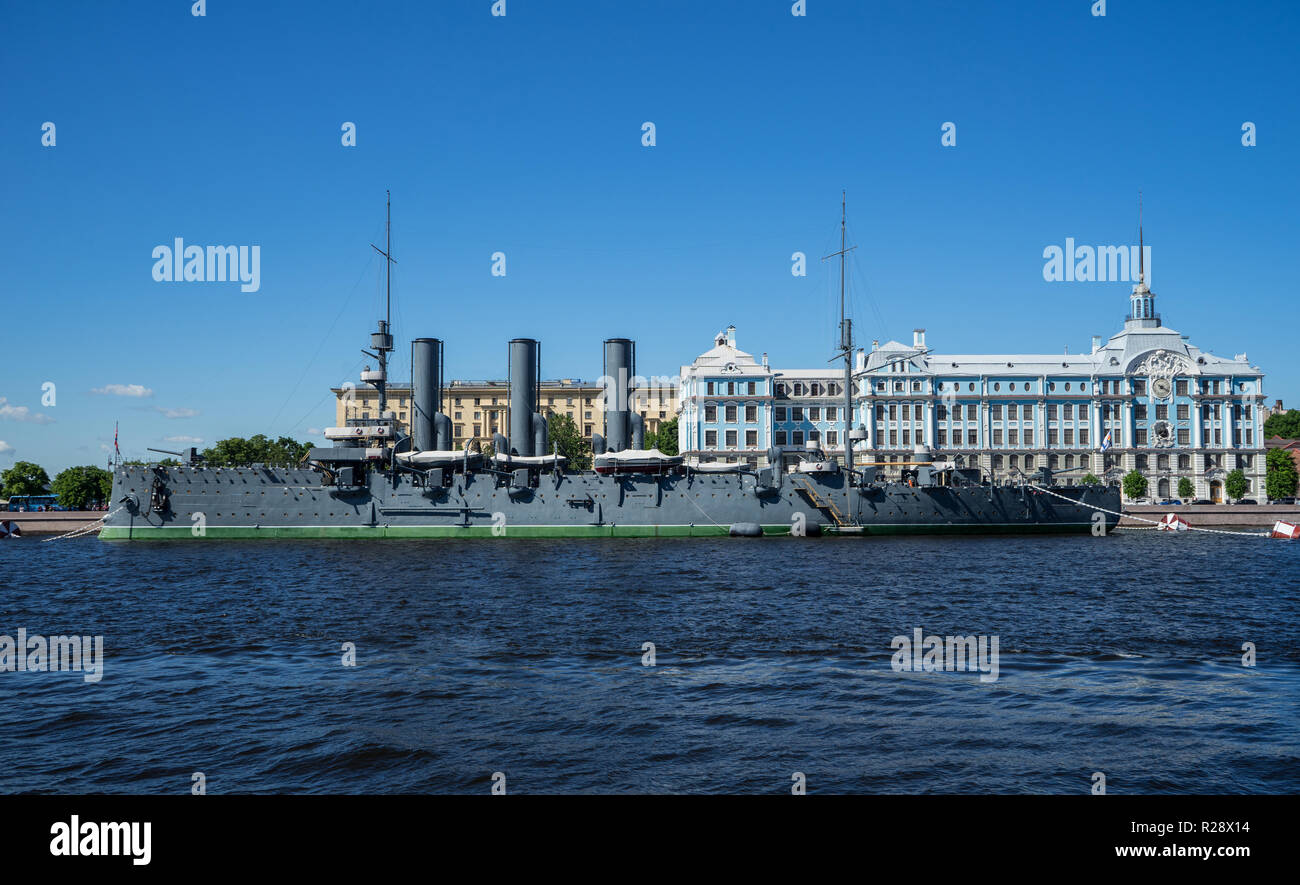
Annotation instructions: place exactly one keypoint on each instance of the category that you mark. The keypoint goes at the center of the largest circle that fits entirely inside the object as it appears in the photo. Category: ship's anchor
(159, 497)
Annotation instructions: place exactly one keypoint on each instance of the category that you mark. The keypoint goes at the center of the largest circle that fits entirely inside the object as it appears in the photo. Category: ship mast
(846, 351)
(382, 341)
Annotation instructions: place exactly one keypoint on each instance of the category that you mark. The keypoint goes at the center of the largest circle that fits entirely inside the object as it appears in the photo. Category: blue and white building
(1145, 399)
(725, 404)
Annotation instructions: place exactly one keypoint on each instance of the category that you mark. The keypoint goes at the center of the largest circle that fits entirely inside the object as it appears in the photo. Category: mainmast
(382, 341)
(846, 351)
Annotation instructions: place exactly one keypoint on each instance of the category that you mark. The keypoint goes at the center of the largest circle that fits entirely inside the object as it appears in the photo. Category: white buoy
(1285, 530)
(1172, 522)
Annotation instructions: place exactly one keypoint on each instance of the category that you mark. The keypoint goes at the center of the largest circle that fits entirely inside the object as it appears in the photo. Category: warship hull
(157, 502)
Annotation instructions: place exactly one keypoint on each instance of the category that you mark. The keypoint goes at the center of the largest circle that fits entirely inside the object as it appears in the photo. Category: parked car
(1290, 501)
(1169, 502)
(1246, 501)
(1202, 501)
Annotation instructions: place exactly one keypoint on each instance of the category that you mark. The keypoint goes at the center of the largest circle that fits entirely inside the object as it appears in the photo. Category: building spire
(1142, 273)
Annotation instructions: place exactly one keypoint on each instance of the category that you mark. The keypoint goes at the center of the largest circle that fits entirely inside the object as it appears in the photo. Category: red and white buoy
(1285, 530)
(1172, 522)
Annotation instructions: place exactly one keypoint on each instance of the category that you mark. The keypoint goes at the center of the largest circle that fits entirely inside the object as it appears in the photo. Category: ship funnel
(426, 393)
(638, 431)
(620, 366)
(525, 370)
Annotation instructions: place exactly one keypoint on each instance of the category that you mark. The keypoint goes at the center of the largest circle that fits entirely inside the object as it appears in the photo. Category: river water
(1119, 655)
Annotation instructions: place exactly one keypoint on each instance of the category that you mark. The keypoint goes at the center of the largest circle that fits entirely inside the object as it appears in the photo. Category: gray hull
(265, 502)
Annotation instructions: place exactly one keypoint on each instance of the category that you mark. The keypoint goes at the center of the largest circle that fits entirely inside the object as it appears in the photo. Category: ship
(375, 481)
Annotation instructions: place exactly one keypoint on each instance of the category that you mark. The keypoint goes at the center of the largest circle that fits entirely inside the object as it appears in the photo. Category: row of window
(798, 437)
(1105, 386)
(730, 414)
(812, 388)
(1063, 411)
(730, 436)
(813, 413)
(731, 388)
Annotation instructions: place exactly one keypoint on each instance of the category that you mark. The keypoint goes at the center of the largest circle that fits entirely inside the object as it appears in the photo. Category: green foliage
(25, 478)
(78, 487)
(568, 441)
(238, 451)
(1235, 485)
(666, 439)
(1135, 485)
(1280, 480)
(1284, 424)
(1186, 488)
(1090, 480)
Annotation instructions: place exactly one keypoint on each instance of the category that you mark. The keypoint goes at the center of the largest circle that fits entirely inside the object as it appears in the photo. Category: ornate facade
(1147, 399)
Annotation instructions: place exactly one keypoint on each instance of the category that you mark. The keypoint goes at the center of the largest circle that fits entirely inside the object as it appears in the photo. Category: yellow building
(479, 409)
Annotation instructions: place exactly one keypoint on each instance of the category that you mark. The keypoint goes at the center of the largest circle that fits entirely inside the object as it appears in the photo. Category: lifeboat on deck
(518, 462)
(429, 459)
(636, 461)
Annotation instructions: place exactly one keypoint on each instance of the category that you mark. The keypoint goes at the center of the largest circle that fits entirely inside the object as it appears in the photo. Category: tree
(566, 440)
(1284, 424)
(78, 487)
(1280, 480)
(25, 478)
(1235, 485)
(667, 437)
(1090, 480)
(1186, 489)
(1135, 485)
(237, 451)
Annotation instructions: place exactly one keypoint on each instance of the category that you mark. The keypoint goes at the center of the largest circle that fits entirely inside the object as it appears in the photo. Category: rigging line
(1154, 522)
(307, 368)
(702, 510)
(859, 274)
(317, 404)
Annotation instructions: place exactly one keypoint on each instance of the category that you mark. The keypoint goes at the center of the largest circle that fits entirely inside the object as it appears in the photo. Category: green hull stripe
(1010, 528)
(122, 533)
(153, 533)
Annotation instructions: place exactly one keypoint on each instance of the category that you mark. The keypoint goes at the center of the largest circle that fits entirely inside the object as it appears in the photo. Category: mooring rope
(1153, 522)
(85, 529)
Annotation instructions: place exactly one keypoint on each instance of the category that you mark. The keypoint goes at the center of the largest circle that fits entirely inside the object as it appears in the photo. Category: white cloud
(22, 413)
(5, 448)
(176, 413)
(137, 390)
(314, 431)
(188, 440)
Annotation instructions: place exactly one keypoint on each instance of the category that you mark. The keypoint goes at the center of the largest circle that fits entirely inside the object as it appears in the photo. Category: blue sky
(523, 134)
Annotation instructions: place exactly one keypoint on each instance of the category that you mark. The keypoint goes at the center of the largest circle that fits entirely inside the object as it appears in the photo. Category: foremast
(845, 352)
(382, 340)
